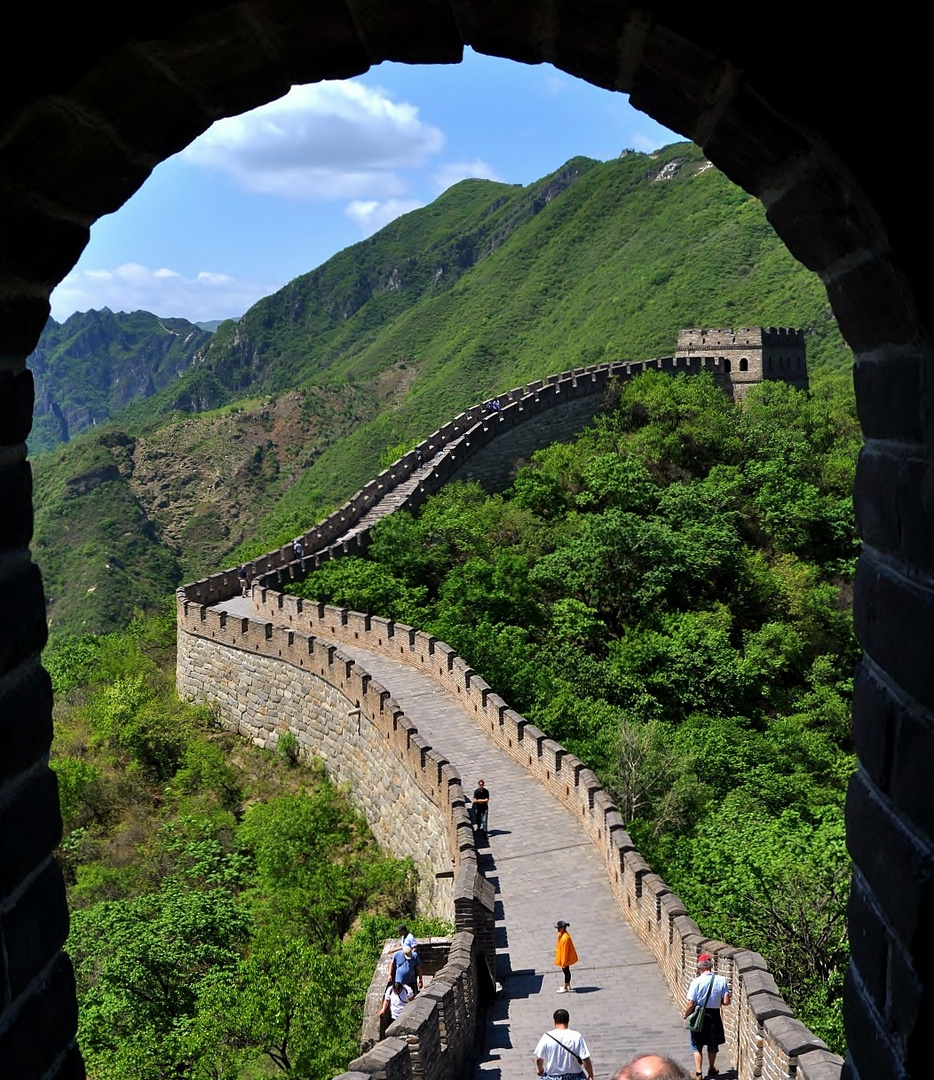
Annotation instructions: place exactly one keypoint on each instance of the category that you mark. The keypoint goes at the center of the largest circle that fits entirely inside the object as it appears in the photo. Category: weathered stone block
(894, 514)
(892, 395)
(34, 929)
(43, 1025)
(894, 620)
(896, 867)
(30, 828)
(874, 306)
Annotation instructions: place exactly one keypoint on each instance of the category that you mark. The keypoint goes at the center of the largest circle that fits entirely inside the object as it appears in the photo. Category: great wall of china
(112, 92)
(286, 666)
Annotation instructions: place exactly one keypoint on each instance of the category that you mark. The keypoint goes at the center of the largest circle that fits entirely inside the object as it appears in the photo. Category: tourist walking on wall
(480, 807)
(244, 575)
(565, 954)
(562, 1052)
(406, 968)
(395, 1000)
(709, 991)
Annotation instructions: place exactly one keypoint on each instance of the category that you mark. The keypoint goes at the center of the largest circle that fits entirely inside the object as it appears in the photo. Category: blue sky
(264, 197)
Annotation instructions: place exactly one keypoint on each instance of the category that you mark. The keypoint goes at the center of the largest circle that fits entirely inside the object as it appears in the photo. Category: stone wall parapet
(215, 649)
(764, 1038)
(446, 454)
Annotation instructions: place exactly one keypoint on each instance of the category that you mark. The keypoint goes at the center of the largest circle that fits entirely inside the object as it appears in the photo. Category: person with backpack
(708, 992)
(397, 996)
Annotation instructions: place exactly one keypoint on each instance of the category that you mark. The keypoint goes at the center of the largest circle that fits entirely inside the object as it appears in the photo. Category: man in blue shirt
(406, 968)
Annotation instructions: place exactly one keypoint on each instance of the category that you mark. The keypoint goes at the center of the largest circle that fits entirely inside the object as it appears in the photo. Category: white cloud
(330, 140)
(372, 214)
(556, 82)
(454, 171)
(132, 287)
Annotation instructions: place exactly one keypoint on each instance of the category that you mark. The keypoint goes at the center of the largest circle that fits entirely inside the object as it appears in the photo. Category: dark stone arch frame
(105, 98)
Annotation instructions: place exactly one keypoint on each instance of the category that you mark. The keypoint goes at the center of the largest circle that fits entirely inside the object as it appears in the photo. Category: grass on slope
(611, 268)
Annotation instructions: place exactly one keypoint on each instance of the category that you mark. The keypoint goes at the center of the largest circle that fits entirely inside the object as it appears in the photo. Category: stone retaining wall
(259, 697)
(763, 1037)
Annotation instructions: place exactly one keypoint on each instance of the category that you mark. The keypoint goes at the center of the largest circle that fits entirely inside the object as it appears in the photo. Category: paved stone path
(544, 868)
(391, 501)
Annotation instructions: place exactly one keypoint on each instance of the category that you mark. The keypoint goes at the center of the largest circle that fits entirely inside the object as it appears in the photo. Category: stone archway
(102, 98)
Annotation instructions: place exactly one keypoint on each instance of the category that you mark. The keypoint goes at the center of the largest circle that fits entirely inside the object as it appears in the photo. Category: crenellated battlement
(344, 715)
(488, 444)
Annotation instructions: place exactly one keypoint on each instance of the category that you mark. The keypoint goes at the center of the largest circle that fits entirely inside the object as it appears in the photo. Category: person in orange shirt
(565, 954)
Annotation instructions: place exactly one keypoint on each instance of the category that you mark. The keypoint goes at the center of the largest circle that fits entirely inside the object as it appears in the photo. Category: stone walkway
(544, 868)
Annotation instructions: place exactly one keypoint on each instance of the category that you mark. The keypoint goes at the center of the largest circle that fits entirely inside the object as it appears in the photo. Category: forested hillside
(228, 906)
(669, 597)
(486, 288)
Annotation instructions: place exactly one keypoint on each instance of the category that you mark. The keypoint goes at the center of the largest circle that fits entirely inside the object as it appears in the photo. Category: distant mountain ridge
(279, 417)
(96, 362)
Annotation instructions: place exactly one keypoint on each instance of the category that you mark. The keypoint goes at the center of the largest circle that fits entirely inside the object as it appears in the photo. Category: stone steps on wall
(388, 504)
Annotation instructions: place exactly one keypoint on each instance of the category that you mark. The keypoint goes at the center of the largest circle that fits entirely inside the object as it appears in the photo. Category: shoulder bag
(694, 1020)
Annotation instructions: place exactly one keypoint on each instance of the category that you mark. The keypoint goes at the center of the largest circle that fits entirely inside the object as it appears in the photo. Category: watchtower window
(743, 364)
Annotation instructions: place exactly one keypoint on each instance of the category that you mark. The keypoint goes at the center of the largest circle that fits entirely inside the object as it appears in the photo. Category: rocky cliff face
(97, 362)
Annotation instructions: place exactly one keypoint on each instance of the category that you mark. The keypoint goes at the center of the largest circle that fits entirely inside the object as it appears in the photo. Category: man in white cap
(406, 968)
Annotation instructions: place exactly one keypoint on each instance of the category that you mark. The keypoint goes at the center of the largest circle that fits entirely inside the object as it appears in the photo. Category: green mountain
(96, 362)
(290, 410)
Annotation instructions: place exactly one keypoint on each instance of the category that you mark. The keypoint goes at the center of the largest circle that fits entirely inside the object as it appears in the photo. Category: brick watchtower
(749, 354)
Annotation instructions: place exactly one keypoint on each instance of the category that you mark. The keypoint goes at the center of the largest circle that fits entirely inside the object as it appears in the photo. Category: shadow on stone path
(544, 868)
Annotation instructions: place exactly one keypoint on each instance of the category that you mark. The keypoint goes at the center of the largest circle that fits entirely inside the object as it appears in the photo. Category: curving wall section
(764, 1038)
(264, 680)
(475, 445)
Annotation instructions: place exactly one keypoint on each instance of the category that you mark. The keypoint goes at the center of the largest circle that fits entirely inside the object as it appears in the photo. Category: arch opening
(79, 139)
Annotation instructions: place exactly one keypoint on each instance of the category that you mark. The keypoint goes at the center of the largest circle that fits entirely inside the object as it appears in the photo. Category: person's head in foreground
(651, 1067)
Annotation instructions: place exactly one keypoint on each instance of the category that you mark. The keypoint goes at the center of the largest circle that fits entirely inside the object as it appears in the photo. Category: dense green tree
(668, 596)
(139, 964)
(287, 1000)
